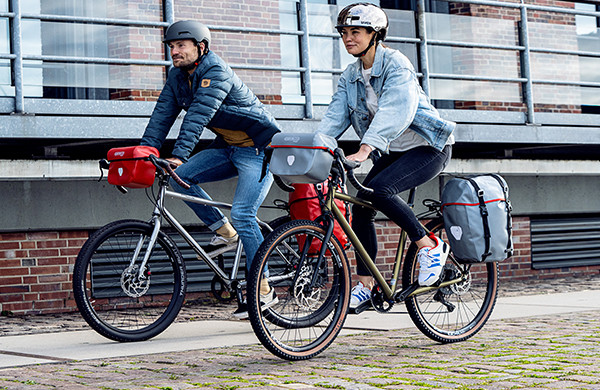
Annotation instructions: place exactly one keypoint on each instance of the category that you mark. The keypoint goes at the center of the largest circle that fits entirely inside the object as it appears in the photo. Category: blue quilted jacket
(214, 97)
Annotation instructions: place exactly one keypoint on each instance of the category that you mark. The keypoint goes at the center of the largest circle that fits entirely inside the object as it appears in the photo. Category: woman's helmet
(188, 29)
(365, 15)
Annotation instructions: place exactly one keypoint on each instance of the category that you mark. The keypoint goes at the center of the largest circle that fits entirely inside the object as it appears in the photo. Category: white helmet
(365, 15)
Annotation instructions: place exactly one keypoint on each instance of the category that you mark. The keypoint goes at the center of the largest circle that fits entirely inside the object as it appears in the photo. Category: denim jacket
(402, 104)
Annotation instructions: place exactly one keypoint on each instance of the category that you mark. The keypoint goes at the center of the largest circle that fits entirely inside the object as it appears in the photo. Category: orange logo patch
(205, 83)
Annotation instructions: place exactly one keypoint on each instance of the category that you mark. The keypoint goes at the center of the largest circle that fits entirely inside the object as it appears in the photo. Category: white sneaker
(359, 295)
(217, 240)
(431, 261)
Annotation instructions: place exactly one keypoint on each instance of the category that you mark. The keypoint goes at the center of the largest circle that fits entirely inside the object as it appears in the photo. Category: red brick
(52, 244)
(53, 278)
(17, 306)
(75, 234)
(44, 253)
(42, 235)
(12, 237)
(45, 270)
(51, 261)
(7, 281)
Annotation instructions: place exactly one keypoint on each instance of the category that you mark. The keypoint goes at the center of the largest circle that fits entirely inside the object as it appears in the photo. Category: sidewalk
(541, 341)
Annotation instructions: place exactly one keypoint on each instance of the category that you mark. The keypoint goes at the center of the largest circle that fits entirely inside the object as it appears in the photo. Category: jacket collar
(377, 68)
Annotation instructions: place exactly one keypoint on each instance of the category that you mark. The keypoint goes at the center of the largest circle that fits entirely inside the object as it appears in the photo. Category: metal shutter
(568, 242)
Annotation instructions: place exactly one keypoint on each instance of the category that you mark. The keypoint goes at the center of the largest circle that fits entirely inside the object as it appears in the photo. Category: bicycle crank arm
(415, 289)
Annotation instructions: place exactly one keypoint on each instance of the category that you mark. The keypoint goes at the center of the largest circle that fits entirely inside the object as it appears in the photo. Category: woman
(381, 97)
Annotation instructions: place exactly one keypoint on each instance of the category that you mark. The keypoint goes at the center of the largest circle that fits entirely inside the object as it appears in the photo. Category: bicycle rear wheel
(312, 298)
(109, 293)
(458, 311)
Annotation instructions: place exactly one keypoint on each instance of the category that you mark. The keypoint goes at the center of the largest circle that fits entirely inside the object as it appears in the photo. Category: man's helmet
(365, 15)
(188, 29)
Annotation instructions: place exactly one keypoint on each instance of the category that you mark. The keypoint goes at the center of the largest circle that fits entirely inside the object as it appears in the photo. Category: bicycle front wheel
(458, 311)
(115, 297)
(313, 295)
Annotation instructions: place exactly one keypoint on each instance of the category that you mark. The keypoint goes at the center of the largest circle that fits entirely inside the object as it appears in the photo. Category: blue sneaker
(360, 295)
(431, 261)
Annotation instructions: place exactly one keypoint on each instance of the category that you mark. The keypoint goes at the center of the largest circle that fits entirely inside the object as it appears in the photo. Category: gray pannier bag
(477, 218)
(302, 157)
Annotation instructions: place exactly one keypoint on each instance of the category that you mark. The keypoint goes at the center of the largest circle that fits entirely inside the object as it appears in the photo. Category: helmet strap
(371, 43)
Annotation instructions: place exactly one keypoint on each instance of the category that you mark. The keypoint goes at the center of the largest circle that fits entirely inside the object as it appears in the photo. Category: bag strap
(484, 217)
(509, 247)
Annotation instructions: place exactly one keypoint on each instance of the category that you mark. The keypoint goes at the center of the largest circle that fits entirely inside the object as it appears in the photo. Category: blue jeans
(220, 164)
(392, 174)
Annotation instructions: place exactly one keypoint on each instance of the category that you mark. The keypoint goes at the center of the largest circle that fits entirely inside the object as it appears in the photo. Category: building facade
(521, 79)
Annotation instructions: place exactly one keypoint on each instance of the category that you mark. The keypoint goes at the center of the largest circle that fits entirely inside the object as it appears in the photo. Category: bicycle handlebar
(166, 165)
(349, 166)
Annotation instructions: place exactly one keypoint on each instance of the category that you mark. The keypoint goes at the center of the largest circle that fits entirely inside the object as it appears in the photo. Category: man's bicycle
(310, 272)
(129, 279)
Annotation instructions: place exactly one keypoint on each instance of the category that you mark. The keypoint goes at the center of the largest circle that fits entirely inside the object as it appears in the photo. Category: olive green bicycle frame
(389, 289)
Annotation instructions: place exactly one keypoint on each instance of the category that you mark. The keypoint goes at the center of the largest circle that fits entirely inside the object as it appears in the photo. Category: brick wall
(546, 30)
(36, 267)
(235, 48)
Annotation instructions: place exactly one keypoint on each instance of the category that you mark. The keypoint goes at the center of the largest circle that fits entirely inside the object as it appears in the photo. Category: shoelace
(424, 259)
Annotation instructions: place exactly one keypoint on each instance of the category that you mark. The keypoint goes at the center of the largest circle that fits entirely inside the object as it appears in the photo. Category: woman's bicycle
(130, 279)
(308, 267)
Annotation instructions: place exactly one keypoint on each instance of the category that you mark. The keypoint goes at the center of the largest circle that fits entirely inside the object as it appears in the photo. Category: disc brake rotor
(132, 284)
(306, 297)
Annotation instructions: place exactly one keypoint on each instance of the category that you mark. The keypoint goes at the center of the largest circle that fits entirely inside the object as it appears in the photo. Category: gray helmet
(187, 29)
(365, 15)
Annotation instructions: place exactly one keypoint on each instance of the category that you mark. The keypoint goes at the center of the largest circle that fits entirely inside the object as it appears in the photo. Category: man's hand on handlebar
(174, 161)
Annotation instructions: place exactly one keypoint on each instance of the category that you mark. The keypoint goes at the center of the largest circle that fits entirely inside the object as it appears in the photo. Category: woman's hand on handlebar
(362, 154)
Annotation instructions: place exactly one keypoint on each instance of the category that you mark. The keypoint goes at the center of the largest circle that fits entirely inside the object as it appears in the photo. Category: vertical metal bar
(304, 44)
(17, 63)
(169, 17)
(526, 65)
(422, 35)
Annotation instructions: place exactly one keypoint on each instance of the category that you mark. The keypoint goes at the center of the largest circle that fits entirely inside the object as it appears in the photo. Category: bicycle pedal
(359, 309)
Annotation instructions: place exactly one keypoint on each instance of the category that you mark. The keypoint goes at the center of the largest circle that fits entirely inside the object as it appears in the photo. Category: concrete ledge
(26, 170)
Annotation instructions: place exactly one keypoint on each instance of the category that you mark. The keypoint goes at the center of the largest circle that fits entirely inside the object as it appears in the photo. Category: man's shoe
(218, 240)
(242, 311)
(269, 299)
(266, 301)
(359, 296)
(219, 244)
(431, 261)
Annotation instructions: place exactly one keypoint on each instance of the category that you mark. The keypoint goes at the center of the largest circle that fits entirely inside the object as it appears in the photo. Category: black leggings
(392, 174)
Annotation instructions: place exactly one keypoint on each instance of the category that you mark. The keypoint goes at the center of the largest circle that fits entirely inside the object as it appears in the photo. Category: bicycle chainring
(132, 285)
(378, 300)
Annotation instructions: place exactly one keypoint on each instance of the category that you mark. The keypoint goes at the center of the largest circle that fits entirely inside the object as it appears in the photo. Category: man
(214, 97)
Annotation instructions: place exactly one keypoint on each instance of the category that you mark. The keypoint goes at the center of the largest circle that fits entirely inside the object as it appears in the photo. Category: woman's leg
(409, 169)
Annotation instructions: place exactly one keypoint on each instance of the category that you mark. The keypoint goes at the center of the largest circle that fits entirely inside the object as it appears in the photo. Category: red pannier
(304, 204)
(129, 166)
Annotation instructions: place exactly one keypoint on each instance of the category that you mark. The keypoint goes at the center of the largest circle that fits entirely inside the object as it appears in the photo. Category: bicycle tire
(473, 300)
(108, 296)
(306, 320)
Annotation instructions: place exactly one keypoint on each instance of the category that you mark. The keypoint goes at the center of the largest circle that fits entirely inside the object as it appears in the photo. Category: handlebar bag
(302, 157)
(129, 166)
(477, 218)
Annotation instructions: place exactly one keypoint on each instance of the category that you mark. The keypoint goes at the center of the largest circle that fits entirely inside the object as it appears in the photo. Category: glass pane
(92, 76)
(119, 9)
(566, 95)
(468, 90)
(471, 61)
(471, 29)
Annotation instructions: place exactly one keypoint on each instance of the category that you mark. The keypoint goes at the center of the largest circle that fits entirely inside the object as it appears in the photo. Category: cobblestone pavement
(547, 352)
